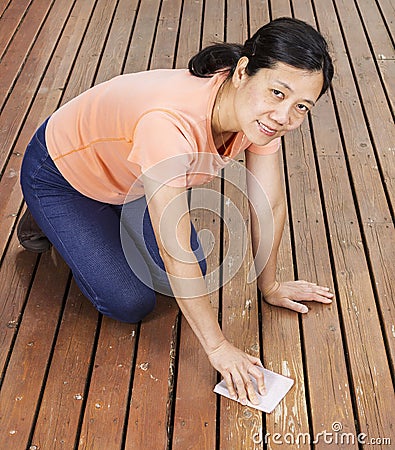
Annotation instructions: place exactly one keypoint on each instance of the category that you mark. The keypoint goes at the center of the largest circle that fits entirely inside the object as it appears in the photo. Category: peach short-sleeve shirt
(157, 121)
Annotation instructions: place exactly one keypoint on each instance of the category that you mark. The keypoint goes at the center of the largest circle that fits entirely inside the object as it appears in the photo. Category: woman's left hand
(289, 293)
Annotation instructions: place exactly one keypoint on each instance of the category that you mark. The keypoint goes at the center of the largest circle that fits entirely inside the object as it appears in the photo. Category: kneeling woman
(143, 139)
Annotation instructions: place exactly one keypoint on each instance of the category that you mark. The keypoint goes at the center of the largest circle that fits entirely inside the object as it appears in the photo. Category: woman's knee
(130, 313)
(125, 305)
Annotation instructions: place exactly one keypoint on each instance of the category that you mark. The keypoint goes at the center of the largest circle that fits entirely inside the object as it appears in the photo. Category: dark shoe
(30, 235)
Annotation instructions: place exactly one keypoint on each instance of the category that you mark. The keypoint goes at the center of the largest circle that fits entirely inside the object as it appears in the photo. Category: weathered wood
(64, 394)
(189, 32)
(282, 353)
(4, 4)
(387, 69)
(153, 381)
(365, 346)
(89, 55)
(17, 52)
(143, 37)
(89, 387)
(387, 9)
(375, 104)
(367, 183)
(16, 272)
(25, 80)
(10, 21)
(113, 58)
(371, 201)
(166, 36)
(22, 384)
(324, 355)
(381, 239)
(108, 396)
(259, 15)
(380, 41)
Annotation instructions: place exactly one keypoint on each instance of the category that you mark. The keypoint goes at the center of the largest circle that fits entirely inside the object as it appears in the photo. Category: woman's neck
(222, 132)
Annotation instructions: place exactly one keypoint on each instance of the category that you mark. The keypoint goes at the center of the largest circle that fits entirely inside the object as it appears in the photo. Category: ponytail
(215, 58)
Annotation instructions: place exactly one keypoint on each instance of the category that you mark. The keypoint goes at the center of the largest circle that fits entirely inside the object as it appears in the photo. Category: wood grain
(72, 379)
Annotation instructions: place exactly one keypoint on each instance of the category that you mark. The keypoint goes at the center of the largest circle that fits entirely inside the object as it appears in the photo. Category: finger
(256, 361)
(294, 306)
(230, 386)
(325, 292)
(322, 290)
(305, 283)
(312, 293)
(260, 379)
(249, 387)
(240, 388)
(322, 298)
(313, 297)
(314, 287)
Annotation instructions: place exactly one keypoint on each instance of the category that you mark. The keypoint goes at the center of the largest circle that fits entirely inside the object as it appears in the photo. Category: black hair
(286, 40)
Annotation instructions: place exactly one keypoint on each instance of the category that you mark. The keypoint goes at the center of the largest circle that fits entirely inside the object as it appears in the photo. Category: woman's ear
(240, 73)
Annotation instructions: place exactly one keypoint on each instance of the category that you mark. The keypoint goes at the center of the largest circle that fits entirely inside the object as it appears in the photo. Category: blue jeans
(111, 249)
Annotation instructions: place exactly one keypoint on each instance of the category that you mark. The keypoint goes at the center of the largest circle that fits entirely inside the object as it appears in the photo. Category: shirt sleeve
(268, 149)
(162, 148)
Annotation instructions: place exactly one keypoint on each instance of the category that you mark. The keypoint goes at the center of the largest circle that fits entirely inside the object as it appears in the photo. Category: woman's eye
(302, 108)
(278, 93)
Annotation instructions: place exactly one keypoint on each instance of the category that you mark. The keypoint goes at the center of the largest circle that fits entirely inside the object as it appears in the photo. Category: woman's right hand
(236, 367)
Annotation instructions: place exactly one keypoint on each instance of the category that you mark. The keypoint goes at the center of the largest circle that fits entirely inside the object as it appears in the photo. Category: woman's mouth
(265, 129)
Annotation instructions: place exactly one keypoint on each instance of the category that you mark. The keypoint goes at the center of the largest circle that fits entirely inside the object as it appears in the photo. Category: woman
(145, 138)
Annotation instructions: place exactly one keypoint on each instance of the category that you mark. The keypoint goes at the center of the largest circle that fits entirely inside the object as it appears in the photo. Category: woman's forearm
(190, 291)
(168, 207)
(265, 252)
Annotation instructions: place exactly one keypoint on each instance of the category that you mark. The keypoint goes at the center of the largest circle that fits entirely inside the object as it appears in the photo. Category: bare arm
(267, 205)
(267, 200)
(169, 214)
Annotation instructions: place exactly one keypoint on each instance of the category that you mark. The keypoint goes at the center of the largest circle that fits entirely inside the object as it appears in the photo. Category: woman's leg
(86, 234)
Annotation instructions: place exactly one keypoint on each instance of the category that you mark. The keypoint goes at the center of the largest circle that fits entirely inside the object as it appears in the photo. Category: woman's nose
(281, 114)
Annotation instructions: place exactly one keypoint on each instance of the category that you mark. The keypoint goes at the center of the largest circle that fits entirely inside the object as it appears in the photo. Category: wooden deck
(72, 379)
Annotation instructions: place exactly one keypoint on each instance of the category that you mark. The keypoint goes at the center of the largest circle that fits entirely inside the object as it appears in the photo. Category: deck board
(321, 327)
(154, 378)
(66, 386)
(73, 379)
(23, 42)
(10, 19)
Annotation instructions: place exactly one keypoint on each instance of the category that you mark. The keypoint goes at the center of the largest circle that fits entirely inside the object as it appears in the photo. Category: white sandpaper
(276, 385)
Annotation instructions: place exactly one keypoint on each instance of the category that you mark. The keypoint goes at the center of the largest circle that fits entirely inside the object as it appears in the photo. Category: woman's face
(273, 101)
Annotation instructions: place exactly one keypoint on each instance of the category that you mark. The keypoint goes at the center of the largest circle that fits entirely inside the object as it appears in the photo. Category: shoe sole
(37, 245)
